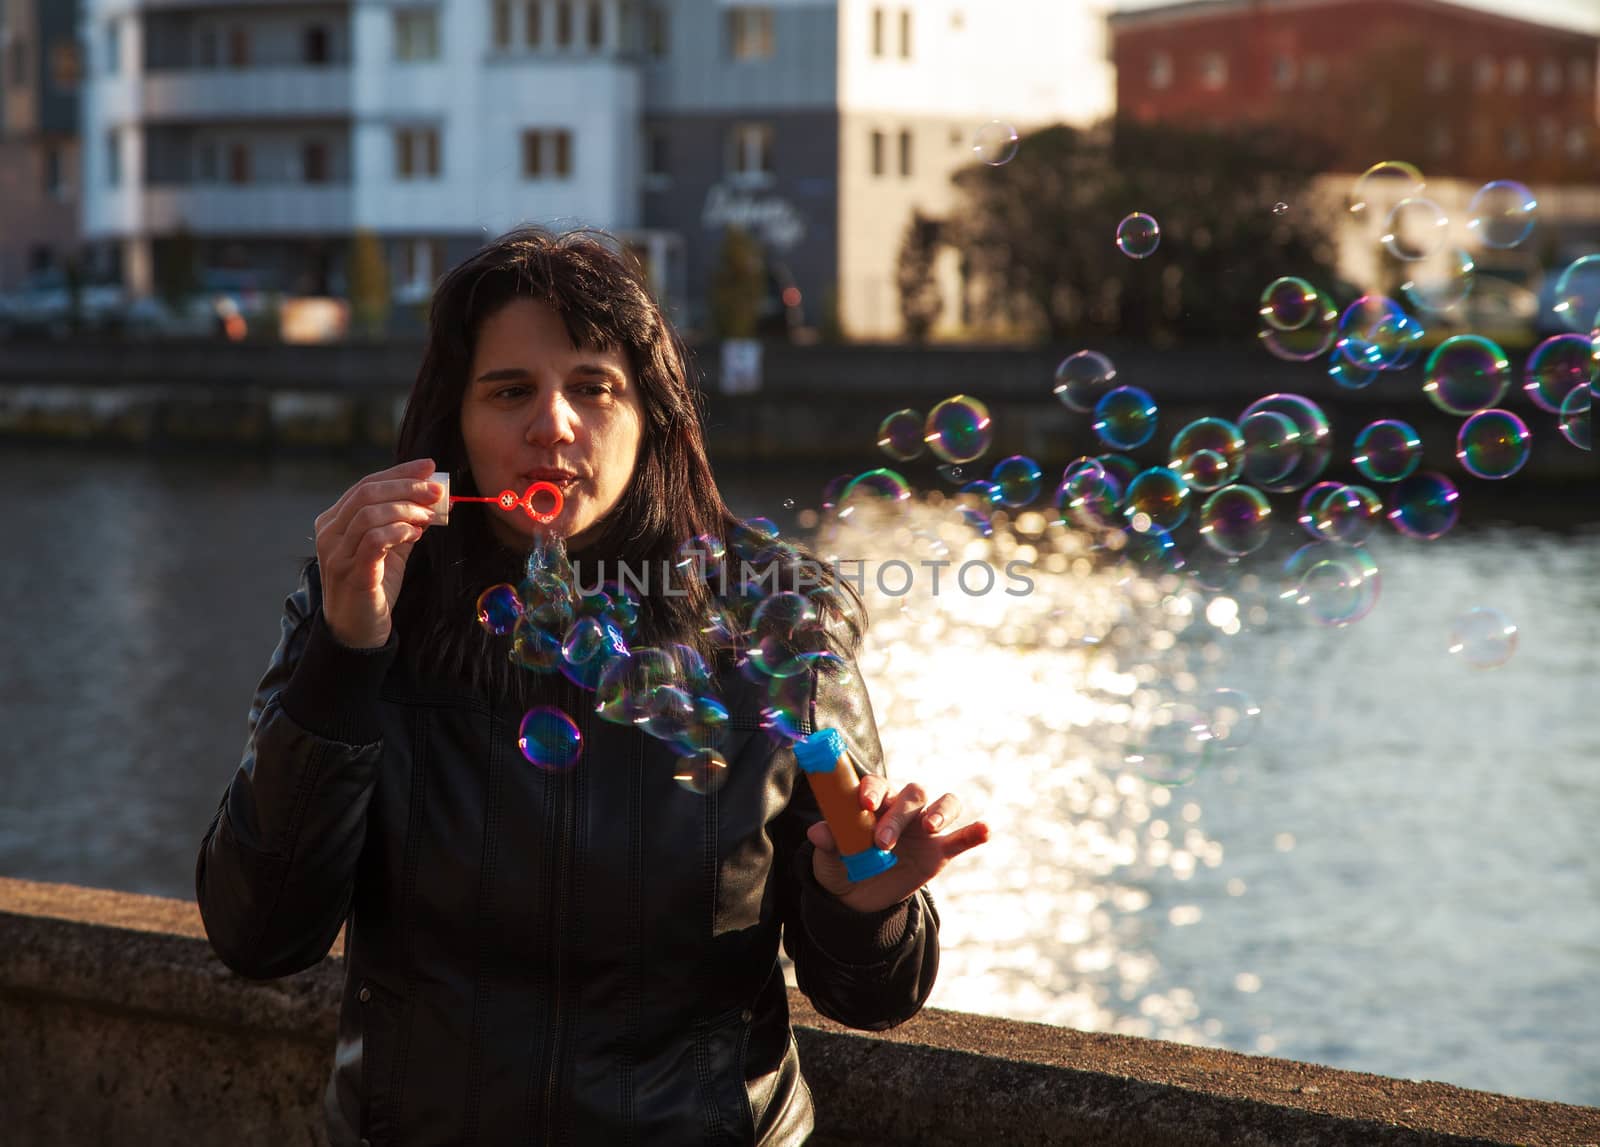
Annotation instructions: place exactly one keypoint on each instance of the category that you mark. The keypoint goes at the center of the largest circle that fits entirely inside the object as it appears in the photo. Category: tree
(369, 284)
(738, 285)
(920, 301)
(1038, 235)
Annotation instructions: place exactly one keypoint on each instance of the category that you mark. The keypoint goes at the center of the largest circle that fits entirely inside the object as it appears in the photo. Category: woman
(583, 955)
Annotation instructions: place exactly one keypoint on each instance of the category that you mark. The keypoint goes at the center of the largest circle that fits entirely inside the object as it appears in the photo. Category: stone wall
(119, 1026)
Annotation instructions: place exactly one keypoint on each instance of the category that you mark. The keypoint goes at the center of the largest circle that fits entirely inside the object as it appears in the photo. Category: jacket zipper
(557, 902)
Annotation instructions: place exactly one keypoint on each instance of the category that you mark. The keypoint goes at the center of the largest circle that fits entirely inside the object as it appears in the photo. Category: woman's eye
(594, 389)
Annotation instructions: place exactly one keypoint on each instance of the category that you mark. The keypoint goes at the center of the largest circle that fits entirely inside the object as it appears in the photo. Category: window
(1550, 77)
(316, 45)
(1214, 71)
(546, 153)
(877, 33)
(53, 183)
(750, 150)
(563, 23)
(113, 46)
(238, 163)
(238, 47)
(66, 65)
(750, 33)
(1438, 78)
(596, 23)
(1483, 74)
(905, 153)
(113, 159)
(1516, 74)
(563, 164)
(205, 166)
(416, 152)
(657, 30)
(1160, 70)
(879, 145)
(205, 49)
(416, 34)
(533, 23)
(1283, 72)
(657, 154)
(905, 33)
(500, 18)
(314, 161)
(414, 263)
(19, 63)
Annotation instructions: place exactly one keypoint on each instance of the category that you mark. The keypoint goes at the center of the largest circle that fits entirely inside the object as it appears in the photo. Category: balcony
(256, 209)
(198, 95)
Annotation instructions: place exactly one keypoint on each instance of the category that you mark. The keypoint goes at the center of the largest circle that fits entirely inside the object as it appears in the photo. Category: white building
(264, 134)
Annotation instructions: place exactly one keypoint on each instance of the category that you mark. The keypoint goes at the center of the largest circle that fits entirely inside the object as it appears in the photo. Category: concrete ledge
(120, 1026)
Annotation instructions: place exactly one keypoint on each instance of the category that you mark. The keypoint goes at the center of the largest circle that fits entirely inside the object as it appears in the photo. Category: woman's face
(538, 409)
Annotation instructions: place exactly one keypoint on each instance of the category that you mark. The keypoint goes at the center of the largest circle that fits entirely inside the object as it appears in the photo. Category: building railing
(198, 95)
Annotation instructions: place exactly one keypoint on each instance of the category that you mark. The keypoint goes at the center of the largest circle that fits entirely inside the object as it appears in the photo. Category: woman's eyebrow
(518, 374)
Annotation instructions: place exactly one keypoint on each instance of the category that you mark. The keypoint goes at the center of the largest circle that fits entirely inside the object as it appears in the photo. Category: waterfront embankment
(122, 1027)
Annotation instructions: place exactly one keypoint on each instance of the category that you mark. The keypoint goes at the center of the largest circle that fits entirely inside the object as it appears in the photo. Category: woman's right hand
(363, 541)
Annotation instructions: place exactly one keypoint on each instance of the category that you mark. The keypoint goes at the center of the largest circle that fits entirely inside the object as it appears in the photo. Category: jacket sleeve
(277, 867)
(866, 970)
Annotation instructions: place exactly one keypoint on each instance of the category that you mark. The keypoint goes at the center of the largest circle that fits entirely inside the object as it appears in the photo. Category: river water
(1394, 874)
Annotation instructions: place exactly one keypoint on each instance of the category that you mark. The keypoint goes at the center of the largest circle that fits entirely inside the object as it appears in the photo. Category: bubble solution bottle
(836, 784)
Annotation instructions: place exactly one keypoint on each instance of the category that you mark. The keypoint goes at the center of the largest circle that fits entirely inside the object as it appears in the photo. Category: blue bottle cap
(868, 862)
(820, 752)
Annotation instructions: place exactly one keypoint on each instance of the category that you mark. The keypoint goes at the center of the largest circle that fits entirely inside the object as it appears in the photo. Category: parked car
(44, 306)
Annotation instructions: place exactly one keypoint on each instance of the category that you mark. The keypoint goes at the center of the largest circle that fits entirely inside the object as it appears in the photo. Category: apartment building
(264, 134)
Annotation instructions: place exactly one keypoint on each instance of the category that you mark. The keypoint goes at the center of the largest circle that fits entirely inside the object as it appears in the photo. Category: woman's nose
(553, 420)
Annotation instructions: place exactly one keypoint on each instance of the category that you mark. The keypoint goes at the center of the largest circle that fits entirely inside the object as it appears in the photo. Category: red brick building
(1458, 91)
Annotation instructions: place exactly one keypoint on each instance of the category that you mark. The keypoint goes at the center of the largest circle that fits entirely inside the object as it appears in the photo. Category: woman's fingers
(901, 811)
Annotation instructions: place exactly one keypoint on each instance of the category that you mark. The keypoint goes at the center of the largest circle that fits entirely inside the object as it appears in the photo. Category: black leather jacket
(586, 957)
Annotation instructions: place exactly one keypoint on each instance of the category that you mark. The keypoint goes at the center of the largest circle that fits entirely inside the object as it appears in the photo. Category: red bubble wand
(506, 500)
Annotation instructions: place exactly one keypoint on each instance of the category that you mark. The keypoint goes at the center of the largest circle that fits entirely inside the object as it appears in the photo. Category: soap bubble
(499, 609)
(1493, 444)
(709, 726)
(1416, 228)
(1236, 520)
(1288, 303)
(1382, 185)
(1125, 418)
(1387, 450)
(1575, 423)
(1083, 378)
(667, 714)
(995, 143)
(1307, 341)
(1484, 638)
(1160, 496)
(958, 429)
(1578, 295)
(1441, 282)
(1016, 479)
(1313, 436)
(1279, 208)
(1171, 746)
(1120, 467)
(628, 681)
(701, 772)
(1466, 373)
(1424, 505)
(976, 502)
(1349, 376)
(1271, 446)
(534, 648)
(900, 435)
(1208, 453)
(1138, 235)
(1375, 333)
(1334, 584)
(1346, 514)
(549, 739)
(1502, 213)
(876, 488)
(1152, 552)
(1556, 367)
(1090, 498)
(1233, 719)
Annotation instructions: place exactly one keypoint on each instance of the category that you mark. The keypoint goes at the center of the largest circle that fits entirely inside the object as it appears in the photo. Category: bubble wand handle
(836, 784)
(506, 500)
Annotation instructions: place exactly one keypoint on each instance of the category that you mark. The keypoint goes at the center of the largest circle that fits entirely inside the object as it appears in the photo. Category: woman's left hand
(908, 826)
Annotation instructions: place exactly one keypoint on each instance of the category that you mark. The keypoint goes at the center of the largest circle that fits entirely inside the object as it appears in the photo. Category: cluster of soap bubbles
(775, 636)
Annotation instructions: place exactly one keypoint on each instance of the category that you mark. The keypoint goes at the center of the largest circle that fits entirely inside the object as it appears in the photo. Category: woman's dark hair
(604, 301)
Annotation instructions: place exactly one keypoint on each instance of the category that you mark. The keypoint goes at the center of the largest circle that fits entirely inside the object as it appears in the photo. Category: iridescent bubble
(1125, 418)
(1233, 718)
(1120, 467)
(1236, 520)
(1279, 208)
(1311, 503)
(1424, 505)
(1575, 423)
(549, 739)
(627, 683)
(1172, 747)
(1502, 213)
(1306, 342)
(1441, 282)
(1017, 480)
(976, 502)
(1347, 514)
(952, 473)
(1271, 446)
(900, 435)
(1160, 497)
(1314, 438)
(668, 713)
(499, 608)
(1556, 367)
(709, 727)
(1138, 235)
(1387, 450)
(1466, 373)
(879, 488)
(788, 709)
(1493, 444)
(958, 429)
(1151, 551)
(783, 626)
(1090, 498)
(1349, 376)
(1335, 585)
(1375, 333)
(753, 538)
(534, 648)
(1416, 228)
(1083, 378)
(1577, 302)
(1208, 453)
(995, 143)
(835, 487)
(1382, 185)
(701, 772)
(1484, 638)
(1288, 303)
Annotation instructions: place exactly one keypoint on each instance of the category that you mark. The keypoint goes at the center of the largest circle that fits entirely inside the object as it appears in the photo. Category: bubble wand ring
(506, 500)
